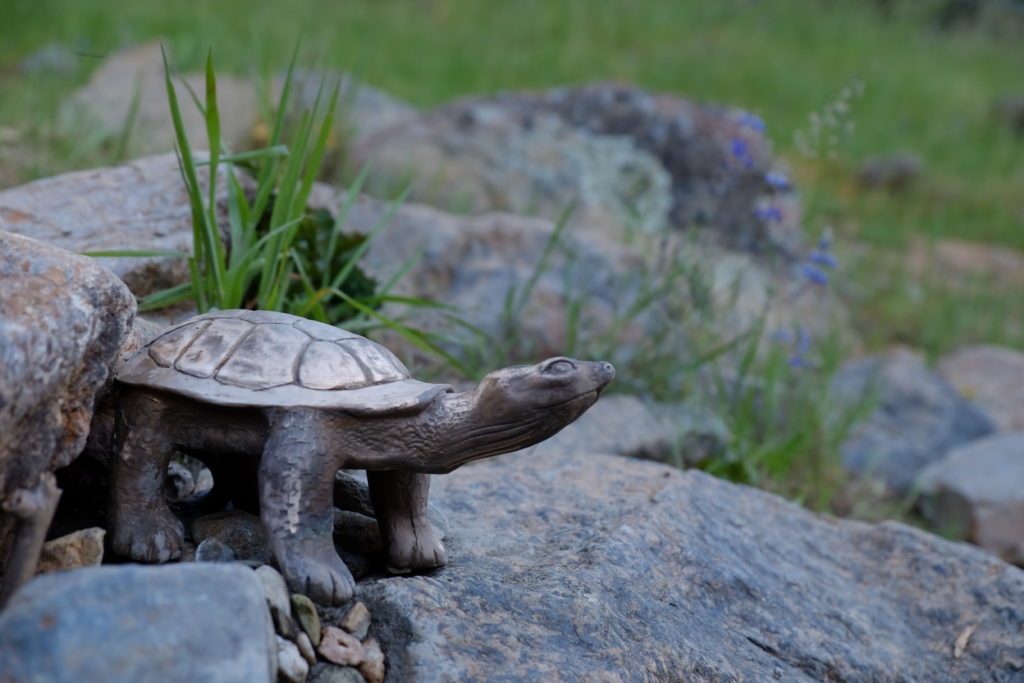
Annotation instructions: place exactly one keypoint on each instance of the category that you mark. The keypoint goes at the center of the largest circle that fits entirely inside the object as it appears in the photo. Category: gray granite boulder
(631, 159)
(992, 377)
(592, 567)
(919, 418)
(976, 493)
(134, 78)
(587, 287)
(472, 263)
(63, 321)
(138, 205)
(180, 622)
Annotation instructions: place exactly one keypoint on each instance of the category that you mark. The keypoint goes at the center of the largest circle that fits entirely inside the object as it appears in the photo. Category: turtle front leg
(144, 528)
(400, 501)
(33, 510)
(296, 480)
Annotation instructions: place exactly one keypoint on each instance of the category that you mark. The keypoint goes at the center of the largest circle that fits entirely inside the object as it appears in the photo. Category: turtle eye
(559, 366)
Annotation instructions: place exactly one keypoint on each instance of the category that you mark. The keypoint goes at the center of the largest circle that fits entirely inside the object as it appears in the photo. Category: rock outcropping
(918, 420)
(584, 566)
(63, 321)
(177, 623)
(629, 158)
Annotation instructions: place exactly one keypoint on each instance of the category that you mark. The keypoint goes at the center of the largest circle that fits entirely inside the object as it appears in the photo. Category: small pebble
(338, 674)
(306, 612)
(291, 666)
(212, 550)
(341, 647)
(305, 647)
(372, 667)
(83, 548)
(276, 593)
(357, 621)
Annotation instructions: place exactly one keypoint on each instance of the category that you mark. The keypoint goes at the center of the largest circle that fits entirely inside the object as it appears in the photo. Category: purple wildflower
(768, 213)
(800, 346)
(777, 180)
(742, 153)
(823, 258)
(814, 274)
(752, 121)
(803, 343)
(825, 241)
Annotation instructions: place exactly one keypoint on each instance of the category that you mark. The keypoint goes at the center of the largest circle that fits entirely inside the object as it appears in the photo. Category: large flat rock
(131, 623)
(141, 205)
(594, 567)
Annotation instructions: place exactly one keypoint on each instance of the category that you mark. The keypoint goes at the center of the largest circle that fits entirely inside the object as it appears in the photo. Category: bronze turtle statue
(308, 399)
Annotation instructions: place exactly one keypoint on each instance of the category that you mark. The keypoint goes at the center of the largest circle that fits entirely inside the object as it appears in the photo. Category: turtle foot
(413, 546)
(321, 575)
(153, 537)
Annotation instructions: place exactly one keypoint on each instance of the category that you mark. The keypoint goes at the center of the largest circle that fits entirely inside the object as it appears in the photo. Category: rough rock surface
(139, 205)
(919, 417)
(630, 158)
(594, 567)
(240, 531)
(471, 263)
(625, 425)
(991, 376)
(63, 319)
(82, 548)
(977, 493)
(179, 622)
(474, 262)
(468, 262)
(291, 666)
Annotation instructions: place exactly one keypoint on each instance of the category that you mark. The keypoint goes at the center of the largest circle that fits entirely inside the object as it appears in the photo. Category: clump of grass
(281, 255)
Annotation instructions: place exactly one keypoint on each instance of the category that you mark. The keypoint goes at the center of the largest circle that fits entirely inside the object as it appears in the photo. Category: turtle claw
(413, 546)
(154, 537)
(321, 576)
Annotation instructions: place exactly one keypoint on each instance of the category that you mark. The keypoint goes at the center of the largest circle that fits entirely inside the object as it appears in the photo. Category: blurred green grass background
(927, 91)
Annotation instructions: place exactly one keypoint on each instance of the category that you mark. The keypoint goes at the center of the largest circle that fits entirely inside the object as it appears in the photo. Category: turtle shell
(262, 358)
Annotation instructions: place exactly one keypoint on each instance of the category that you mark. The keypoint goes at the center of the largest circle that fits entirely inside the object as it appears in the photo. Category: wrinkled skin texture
(301, 449)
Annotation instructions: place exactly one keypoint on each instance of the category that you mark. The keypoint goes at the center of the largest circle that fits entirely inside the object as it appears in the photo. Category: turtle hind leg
(296, 480)
(144, 528)
(400, 501)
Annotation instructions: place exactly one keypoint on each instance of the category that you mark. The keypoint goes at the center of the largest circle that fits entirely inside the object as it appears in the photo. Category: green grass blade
(265, 180)
(347, 269)
(136, 253)
(212, 116)
(320, 146)
(121, 150)
(401, 272)
(543, 262)
(275, 151)
(346, 206)
(202, 232)
(166, 297)
(415, 338)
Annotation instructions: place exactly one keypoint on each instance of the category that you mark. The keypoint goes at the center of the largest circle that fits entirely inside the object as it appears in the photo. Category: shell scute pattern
(259, 350)
(219, 340)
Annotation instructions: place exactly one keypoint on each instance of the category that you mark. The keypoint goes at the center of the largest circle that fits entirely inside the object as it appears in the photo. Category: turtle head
(558, 385)
(519, 406)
